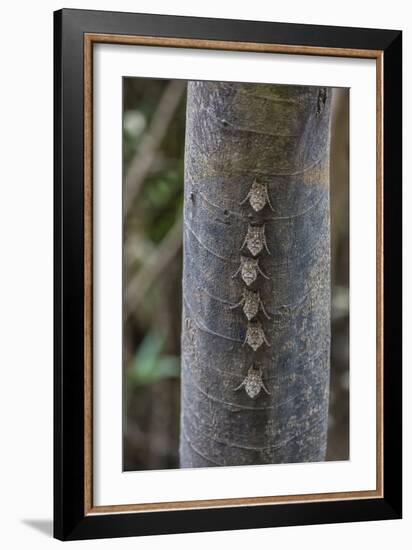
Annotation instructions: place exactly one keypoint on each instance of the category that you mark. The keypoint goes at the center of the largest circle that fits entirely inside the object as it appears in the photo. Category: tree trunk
(246, 400)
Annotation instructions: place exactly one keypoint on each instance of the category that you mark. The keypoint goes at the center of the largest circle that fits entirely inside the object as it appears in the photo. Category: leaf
(148, 365)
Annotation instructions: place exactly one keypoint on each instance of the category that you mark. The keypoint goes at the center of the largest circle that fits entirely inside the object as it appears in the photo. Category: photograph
(235, 274)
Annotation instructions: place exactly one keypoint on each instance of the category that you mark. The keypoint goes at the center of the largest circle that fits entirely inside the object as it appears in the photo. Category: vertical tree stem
(280, 136)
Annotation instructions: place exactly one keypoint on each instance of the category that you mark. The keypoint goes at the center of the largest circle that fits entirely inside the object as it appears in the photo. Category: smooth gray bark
(279, 135)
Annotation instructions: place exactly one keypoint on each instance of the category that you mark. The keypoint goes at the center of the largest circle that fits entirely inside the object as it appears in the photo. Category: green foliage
(161, 201)
(134, 125)
(149, 365)
(151, 341)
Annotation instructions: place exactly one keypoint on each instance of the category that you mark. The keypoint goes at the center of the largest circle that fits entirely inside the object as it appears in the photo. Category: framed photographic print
(227, 274)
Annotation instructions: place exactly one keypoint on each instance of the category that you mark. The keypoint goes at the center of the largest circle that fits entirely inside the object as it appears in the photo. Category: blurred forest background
(153, 163)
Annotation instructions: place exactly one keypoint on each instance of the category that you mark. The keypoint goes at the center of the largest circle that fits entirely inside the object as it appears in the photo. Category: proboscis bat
(258, 196)
(251, 302)
(249, 270)
(255, 336)
(255, 239)
(253, 383)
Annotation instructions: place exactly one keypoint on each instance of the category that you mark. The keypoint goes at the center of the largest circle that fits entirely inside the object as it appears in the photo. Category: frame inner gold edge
(89, 40)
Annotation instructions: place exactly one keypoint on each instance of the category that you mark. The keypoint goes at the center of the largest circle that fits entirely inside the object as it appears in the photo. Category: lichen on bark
(279, 136)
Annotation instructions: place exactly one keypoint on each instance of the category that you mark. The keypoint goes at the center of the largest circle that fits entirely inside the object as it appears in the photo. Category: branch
(157, 262)
(143, 159)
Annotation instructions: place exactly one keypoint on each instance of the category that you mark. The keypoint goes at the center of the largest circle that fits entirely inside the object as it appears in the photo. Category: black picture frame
(71, 522)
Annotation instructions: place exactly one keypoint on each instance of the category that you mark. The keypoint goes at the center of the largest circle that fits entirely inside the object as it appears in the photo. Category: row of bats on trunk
(251, 302)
